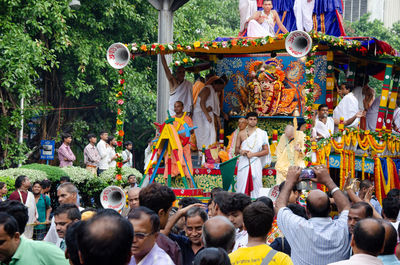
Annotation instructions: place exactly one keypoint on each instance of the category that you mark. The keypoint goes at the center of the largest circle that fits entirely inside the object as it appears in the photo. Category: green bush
(10, 184)
(53, 173)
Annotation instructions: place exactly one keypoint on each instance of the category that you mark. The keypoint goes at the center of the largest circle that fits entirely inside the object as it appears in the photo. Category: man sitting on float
(262, 23)
(347, 108)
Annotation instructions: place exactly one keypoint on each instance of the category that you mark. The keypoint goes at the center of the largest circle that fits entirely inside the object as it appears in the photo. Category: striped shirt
(317, 241)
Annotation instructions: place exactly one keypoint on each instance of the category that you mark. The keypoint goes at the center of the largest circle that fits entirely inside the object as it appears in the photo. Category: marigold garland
(119, 136)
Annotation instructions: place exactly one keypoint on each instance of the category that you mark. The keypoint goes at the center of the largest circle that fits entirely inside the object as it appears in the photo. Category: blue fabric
(327, 6)
(290, 20)
(331, 24)
(397, 163)
(186, 247)
(384, 169)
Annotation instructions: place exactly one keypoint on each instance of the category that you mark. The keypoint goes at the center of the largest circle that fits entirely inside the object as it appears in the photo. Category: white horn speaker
(298, 43)
(118, 55)
(113, 197)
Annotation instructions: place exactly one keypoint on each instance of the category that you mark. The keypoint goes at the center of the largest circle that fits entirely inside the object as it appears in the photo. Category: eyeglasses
(141, 236)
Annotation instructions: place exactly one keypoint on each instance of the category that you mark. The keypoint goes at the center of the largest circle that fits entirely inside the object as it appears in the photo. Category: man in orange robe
(178, 109)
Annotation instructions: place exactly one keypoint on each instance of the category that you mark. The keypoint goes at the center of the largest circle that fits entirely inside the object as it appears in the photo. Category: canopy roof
(360, 47)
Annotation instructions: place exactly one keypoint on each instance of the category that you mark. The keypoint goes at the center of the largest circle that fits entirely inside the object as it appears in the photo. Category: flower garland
(119, 135)
(309, 101)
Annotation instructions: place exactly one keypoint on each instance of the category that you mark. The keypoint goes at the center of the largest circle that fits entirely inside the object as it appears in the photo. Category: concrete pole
(165, 35)
(166, 9)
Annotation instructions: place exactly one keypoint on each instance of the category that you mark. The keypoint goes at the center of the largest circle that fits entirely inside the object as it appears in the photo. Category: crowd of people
(97, 156)
(229, 229)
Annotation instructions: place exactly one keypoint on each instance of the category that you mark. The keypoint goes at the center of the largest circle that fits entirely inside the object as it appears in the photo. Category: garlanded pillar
(330, 81)
(384, 98)
(392, 103)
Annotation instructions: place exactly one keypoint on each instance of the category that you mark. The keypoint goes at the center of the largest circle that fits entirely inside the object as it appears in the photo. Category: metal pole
(21, 131)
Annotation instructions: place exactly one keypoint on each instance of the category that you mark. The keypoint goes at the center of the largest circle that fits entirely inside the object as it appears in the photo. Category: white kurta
(32, 214)
(324, 128)
(347, 108)
(257, 30)
(246, 9)
(303, 11)
(253, 143)
(205, 131)
(182, 93)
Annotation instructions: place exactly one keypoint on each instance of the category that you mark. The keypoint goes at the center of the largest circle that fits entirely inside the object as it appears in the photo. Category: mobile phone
(307, 173)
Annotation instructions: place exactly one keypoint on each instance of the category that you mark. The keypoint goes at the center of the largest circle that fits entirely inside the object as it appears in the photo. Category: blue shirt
(186, 247)
(389, 260)
(42, 205)
(316, 241)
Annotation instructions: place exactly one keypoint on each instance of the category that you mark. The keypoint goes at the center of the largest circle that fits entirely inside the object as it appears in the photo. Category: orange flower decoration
(234, 42)
(118, 177)
(121, 133)
(143, 48)
(179, 47)
(119, 111)
(215, 45)
(253, 43)
(162, 48)
(280, 36)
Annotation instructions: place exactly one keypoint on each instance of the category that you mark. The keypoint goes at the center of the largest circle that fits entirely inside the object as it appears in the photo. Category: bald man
(219, 232)
(319, 240)
(388, 256)
(133, 201)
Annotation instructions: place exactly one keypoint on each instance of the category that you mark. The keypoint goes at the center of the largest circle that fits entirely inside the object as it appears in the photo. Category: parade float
(284, 78)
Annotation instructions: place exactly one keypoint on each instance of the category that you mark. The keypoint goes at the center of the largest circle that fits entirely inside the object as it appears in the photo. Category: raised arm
(167, 71)
(180, 213)
(279, 22)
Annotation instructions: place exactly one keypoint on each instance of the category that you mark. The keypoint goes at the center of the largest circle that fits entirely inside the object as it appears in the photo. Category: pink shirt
(65, 155)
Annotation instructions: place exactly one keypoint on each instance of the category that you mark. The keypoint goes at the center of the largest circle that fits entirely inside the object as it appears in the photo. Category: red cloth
(15, 196)
(249, 183)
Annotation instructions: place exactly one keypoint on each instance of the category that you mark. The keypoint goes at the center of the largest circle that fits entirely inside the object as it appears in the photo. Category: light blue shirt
(316, 241)
(389, 260)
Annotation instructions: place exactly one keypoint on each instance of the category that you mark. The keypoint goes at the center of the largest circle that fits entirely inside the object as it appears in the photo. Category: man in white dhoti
(203, 112)
(324, 125)
(303, 11)
(179, 88)
(247, 8)
(262, 23)
(253, 147)
(347, 108)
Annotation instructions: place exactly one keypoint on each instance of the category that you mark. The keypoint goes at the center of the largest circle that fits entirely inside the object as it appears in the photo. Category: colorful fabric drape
(386, 176)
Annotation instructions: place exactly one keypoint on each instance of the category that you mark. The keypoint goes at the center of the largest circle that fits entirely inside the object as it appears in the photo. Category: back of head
(212, 256)
(238, 202)
(65, 179)
(393, 193)
(186, 201)
(139, 211)
(267, 201)
(18, 211)
(363, 205)
(9, 224)
(45, 183)
(390, 207)
(390, 238)
(105, 240)
(258, 218)
(107, 212)
(71, 240)
(369, 236)
(215, 191)
(71, 210)
(318, 204)
(110, 139)
(219, 232)
(156, 197)
(298, 210)
(222, 199)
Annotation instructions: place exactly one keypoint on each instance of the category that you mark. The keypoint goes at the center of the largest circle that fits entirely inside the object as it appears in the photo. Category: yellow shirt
(255, 255)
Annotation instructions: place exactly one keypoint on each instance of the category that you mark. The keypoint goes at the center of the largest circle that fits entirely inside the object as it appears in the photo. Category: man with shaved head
(388, 256)
(367, 242)
(219, 232)
(318, 240)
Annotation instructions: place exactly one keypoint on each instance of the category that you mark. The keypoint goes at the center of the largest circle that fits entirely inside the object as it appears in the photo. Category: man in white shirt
(65, 215)
(324, 125)
(367, 242)
(347, 108)
(102, 148)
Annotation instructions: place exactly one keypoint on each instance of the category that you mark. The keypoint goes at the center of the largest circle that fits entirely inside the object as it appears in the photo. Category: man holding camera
(318, 240)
